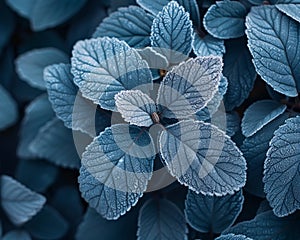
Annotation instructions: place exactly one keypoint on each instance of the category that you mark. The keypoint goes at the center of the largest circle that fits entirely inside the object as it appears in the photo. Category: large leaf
(275, 51)
(102, 67)
(202, 157)
(208, 45)
(9, 109)
(189, 87)
(19, 203)
(131, 24)
(233, 237)
(290, 9)
(171, 33)
(116, 168)
(16, 235)
(281, 175)
(158, 219)
(212, 214)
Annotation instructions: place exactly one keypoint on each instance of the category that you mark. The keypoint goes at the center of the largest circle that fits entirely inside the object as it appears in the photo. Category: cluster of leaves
(114, 92)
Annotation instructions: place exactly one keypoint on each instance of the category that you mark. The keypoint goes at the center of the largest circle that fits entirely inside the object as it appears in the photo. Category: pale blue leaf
(203, 158)
(55, 143)
(102, 67)
(171, 33)
(266, 226)
(254, 149)
(276, 53)
(240, 73)
(233, 237)
(260, 114)
(161, 219)
(212, 214)
(37, 114)
(136, 107)
(208, 45)
(131, 24)
(30, 65)
(116, 168)
(292, 10)
(9, 109)
(281, 174)
(7, 25)
(225, 19)
(189, 87)
(16, 235)
(47, 224)
(19, 203)
(22, 7)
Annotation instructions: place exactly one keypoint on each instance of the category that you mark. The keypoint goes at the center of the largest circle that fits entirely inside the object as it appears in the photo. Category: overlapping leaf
(208, 45)
(16, 235)
(233, 237)
(9, 109)
(290, 9)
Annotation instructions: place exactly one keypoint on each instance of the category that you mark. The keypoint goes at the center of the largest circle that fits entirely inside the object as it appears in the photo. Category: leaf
(9, 109)
(225, 19)
(46, 145)
(19, 203)
(292, 10)
(212, 214)
(203, 158)
(260, 114)
(228, 122)
(281, 174)
(208, 45)
(131, 24)
(171, 33)
(22, 7)
(161, 219)
(233, 237)
(7, 25)
(48, 224)
(102, 67)
(16, 235)
(240, 73)
(276, 54)
(116, 168)
(188, 87)
(30, 65)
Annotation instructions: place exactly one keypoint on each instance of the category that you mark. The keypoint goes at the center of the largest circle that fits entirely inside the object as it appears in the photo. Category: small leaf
(171, 33)
(102, 67)
(203, 158)
(189, 87)
(276, 54)
(233, 237)
(208, 45)
(131, 24)
(16, 235)
(19, 203)
(225, 19)
(30, 65)
(292, 10)
(135, 107)
(260, 114)
(9, 109)
(281, 175)
(161, 219)
(212, 214)
(116, 168)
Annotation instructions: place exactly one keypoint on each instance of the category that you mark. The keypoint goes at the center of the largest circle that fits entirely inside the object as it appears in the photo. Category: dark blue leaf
(171, 33)
(264, 206)
(208, 45)
(16, 235)
(19, 203)
(228, 122)
(202, 157)
(226, 19)
(9, 109)
(7, 24)
(275, 51)
(281, 175)
(22, 7)
(233, 237)
(161, 219)
(290, 9)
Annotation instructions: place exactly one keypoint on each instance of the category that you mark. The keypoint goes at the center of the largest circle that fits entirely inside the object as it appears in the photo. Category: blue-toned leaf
(7, 24)
(114, 5)
(228, 122)
(37, 114)
(264, 206)
(281, 175)
(102, 67)
(171, 33)
(189, 87)
(136, 107)
(240, 73)
(47, 224)
(266, 226)
(19, 203)
(226, 19)
(16, 235)
(22, 7)
(158, 219)
(292, 10)
(210, 213)
(233, 237)
(155, 6)
(9, 109)
(260, 114)
(131, 24)
(276, 53)
(254, 149)
(55, 143)
(202, 157)
(208, 45)
(256, 2)
(30, 65)
(116, 168)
